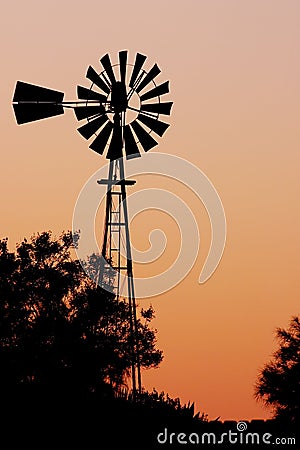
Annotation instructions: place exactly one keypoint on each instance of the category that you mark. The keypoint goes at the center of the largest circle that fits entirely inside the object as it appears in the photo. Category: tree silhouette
(278, 384)
(59, 332)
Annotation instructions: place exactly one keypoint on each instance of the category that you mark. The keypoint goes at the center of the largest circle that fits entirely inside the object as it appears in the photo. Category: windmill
(121, 108)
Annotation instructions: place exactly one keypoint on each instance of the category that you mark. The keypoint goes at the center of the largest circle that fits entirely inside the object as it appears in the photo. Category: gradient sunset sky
(234, 71)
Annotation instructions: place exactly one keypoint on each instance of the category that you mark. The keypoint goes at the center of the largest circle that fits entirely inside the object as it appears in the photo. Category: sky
(234, 73)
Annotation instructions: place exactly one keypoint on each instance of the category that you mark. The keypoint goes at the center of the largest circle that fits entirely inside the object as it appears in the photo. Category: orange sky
(234, 70)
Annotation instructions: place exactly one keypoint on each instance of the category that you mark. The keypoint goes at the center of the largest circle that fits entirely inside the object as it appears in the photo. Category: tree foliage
(58, 330)
(278, 384)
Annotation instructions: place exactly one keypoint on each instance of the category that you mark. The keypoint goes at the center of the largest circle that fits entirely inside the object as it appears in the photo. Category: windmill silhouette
(121, 108)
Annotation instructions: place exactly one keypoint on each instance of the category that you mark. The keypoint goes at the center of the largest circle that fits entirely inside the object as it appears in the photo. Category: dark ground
(57, 422)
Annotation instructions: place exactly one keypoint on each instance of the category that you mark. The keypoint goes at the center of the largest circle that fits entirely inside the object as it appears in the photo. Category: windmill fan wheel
(109, 100)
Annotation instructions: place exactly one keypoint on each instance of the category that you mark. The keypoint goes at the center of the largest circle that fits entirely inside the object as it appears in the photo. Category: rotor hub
(119, 100)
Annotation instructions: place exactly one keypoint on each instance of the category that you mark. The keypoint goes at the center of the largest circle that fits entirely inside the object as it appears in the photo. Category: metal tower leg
(116, 222)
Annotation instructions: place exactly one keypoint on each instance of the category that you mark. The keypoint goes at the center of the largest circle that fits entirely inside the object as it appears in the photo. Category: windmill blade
(123, 62)
(30, 112)
(26, 92)
(157, 126)
(91, 127)
(115, 146)
(145, 139)
(88, 94)
(138, 64)
(83, 112)
(131, 148)
(98, 144)
(97, 80)
(105, 61)
(155, 92)
(148, 78)
(159, 108)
